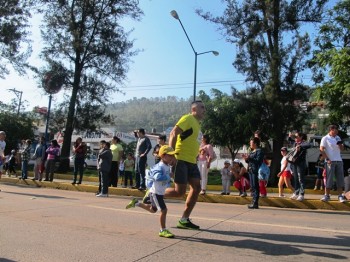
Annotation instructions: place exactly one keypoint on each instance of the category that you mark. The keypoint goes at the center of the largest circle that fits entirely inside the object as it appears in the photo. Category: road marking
(229, 220)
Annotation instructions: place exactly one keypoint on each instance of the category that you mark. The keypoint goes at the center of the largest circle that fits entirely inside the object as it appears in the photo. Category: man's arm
(323, 152)
(173, 136)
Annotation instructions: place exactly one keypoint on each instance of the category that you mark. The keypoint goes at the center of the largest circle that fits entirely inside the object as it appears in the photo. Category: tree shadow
(39, 196)
(289, 244)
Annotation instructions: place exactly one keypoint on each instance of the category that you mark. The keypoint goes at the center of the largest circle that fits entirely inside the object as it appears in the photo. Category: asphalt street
(43, 224)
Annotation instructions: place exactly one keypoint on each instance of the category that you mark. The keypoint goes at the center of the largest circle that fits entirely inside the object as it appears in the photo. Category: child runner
(160, 174)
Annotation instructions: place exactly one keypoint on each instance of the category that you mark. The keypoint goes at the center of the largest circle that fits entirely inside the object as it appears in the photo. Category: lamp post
(216, 53)
(19, 96)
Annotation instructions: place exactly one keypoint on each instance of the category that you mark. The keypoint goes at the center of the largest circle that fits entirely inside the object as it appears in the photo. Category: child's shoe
(132, 203)
(166, 233)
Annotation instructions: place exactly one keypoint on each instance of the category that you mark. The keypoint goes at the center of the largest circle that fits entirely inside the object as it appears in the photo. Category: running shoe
(187, 225)
(166, 233)
(132, 203)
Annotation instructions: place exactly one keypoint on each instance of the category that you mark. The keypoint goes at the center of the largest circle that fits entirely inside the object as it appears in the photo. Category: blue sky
(165, 67)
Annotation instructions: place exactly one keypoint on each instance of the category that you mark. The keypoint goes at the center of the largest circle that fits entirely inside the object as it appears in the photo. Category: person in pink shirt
(206, 154)
(52, 152)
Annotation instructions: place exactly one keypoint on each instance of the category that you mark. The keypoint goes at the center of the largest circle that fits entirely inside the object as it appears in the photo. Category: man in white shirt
(330, 147)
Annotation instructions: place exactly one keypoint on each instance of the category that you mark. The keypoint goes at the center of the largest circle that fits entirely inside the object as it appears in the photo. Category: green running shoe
(132, 203)
(166, 233)
(187, 225)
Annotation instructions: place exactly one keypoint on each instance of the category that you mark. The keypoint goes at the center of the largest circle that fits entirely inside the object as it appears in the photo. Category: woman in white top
(206, 155)
(285, 175)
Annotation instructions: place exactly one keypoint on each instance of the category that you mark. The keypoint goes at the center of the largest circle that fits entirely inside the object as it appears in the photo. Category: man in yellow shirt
(117, 152)
(185, 138)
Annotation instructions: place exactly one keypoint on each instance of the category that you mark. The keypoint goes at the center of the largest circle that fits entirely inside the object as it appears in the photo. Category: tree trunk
(66, 147)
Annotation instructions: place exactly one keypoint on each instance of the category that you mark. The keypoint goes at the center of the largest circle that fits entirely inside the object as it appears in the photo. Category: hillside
(156, 113)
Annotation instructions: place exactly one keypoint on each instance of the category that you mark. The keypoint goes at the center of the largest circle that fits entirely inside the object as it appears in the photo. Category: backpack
(264, 172)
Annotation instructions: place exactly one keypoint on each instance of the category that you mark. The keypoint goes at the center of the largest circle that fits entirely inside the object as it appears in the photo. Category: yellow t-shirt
(187, 143)
(116, 149)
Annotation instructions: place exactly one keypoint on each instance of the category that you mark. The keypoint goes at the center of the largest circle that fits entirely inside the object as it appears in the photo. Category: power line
(177, 84)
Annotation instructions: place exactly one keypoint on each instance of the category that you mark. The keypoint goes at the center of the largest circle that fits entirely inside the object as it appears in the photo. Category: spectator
(254, 160)
(226, 178)
(142, 148)
(104, 164)
(79, 153)
(25, 156)
(122, 170)
(319, 172)
(161, 142)
(285, 174)
(206, 154)
(129, 165)
(330, 147)
(117, 151)
(2, 150)
(12, 163)
(53, 152)
(241, 177)
(39, 158)
(299, 166)
(160, 174)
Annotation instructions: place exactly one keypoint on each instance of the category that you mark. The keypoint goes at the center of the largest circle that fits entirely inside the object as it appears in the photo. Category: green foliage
(333, 56)
(272, 49)
(14, 44)
(231, 120)
(85, 38)
(16, 127)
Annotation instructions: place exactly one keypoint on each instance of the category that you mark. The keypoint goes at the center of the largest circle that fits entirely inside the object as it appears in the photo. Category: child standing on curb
(285, 175)
(129, 165)
(226, 177)
(159, 178)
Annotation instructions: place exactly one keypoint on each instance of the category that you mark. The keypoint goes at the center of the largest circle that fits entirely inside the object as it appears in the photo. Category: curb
(209, 197)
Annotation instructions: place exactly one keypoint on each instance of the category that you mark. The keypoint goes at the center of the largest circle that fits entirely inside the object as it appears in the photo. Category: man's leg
(191, 200)
(143, 162)
(178, 191)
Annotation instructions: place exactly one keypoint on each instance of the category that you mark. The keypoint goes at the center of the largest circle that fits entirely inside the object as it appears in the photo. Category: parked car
(90, 161)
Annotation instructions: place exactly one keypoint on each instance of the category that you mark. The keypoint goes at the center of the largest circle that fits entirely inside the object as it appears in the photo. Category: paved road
(41, 224)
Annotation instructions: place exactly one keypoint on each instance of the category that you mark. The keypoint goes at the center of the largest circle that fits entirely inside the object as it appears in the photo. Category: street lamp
(19, 96)
(216, 53)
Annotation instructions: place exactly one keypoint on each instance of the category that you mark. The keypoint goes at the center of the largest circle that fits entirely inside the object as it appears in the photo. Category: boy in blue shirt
(158, 180)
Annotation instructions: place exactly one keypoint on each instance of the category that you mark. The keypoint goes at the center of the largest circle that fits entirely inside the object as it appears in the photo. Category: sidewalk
(90, 184)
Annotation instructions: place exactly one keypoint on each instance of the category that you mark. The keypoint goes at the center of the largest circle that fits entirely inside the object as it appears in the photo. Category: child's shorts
(157, 201)
(286, 174)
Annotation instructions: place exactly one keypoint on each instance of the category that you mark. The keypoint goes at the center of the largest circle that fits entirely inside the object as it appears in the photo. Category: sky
(165, 67)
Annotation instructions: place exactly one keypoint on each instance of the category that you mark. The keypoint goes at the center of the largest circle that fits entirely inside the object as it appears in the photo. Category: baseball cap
(166, 150)
(284, 149)
(2, 133)
(227, 162)
(236, 161)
